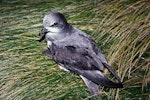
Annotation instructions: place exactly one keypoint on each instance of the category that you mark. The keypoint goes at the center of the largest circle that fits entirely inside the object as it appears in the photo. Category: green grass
(121, 29)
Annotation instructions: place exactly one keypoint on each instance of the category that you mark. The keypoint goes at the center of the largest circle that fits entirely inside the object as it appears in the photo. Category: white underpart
(49, 43)
(63, 68)
(50, 34)
(85, 79)
(53, 29)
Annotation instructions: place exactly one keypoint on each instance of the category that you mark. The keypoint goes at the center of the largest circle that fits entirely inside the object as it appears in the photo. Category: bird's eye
(54, 24)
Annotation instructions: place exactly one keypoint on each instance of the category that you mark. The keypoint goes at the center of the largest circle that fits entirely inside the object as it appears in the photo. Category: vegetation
(121, 29)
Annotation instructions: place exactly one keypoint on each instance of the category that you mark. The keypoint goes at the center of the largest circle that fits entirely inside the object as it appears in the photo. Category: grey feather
(94, 88)
(80, 62)
(76, 52)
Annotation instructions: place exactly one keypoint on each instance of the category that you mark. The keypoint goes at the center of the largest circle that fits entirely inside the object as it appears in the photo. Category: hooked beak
(42, 34)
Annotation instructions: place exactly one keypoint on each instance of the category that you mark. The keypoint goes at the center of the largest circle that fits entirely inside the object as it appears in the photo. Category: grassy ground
(120, 28)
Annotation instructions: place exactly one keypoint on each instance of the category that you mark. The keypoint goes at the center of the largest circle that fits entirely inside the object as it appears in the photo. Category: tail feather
(93, 88)
(112, 71)
(99, 78)
(96, 77)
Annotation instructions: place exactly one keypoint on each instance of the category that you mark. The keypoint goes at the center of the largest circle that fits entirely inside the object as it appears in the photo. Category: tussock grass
(121, 28)
(125, 32)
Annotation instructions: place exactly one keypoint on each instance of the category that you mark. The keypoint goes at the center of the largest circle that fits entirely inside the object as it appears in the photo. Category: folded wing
(79, 61)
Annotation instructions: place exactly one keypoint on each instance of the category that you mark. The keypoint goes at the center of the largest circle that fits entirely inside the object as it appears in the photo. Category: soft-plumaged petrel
(74, 51)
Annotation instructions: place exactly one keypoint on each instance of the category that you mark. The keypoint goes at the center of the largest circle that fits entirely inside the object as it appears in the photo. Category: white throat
(53, 29)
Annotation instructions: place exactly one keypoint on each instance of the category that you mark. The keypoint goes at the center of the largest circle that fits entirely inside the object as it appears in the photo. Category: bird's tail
(100, 79)
(94, 88)
(96, 77)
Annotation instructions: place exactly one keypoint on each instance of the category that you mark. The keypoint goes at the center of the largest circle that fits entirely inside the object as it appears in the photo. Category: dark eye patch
(55, 24)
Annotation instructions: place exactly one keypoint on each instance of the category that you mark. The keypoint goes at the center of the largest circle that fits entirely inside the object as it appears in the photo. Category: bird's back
(85, 43)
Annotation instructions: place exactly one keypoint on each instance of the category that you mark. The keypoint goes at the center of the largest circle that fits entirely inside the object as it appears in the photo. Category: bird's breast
(49, 43)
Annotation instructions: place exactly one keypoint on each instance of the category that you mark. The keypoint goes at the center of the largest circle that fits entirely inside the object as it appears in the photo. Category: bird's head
(53, 22)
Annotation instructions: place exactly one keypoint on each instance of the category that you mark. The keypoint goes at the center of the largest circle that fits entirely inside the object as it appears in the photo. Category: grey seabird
(74, 51)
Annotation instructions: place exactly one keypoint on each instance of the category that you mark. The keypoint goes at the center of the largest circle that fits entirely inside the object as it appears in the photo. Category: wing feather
(79, 61)
(74, 56)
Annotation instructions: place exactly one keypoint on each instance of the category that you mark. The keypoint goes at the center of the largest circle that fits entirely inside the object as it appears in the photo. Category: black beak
(42, 34)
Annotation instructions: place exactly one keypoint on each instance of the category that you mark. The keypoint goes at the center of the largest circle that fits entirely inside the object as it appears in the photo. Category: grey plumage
(76, 52)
